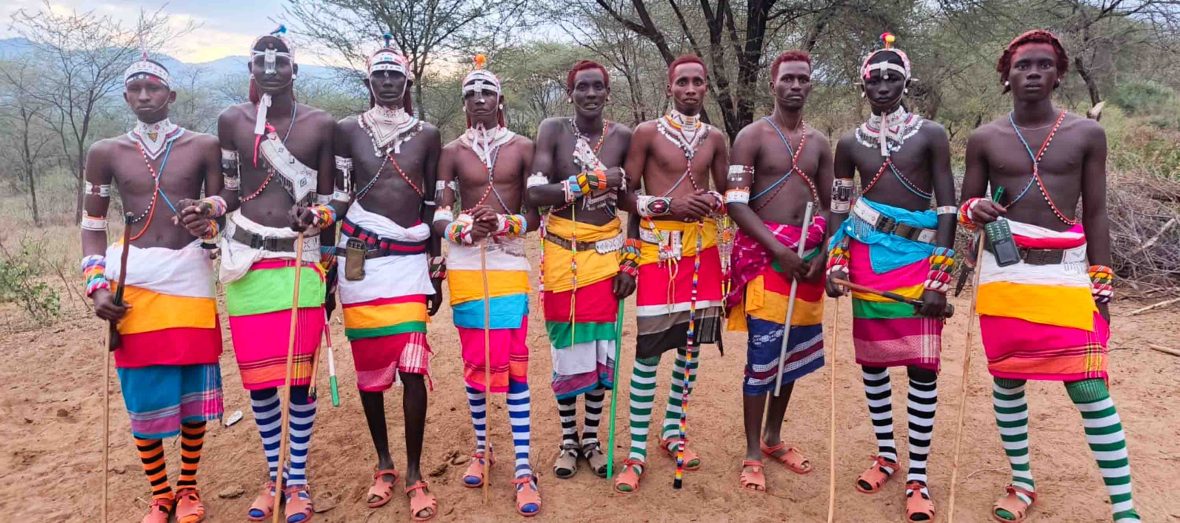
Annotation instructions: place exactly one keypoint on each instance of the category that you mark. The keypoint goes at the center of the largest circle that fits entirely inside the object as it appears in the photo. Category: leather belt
(376, 245)
(1042, 256)
(256, 241)
(888, 225)
(606, 246)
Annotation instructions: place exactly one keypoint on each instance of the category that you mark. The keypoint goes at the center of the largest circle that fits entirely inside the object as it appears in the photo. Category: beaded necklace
(388, 128)
(795, 153)
(1036, 167)
(270, 171)
(596, 148)
(150, 212)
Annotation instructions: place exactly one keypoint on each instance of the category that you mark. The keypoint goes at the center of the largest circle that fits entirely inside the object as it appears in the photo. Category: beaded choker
(389, 128)
(686, 132)
(889, 132)
(154, 137)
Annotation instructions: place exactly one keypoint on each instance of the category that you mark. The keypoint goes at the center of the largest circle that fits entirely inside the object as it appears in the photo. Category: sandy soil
(51, 413)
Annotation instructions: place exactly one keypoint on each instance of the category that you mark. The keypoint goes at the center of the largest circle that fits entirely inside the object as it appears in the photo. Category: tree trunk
(1091, 83)
(80, 170)
(31, 173)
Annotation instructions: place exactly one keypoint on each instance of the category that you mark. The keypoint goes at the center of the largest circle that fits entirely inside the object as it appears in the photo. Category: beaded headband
(480, 79)
(887, 38)
(144, 68)
(271, 55)
(389, 59)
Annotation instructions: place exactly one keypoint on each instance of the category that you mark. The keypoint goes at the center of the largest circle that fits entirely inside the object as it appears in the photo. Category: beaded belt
(888, 225)
(376, 245)
(606, 246)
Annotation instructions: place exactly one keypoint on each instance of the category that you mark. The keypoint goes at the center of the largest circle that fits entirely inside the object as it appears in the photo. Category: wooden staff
(980, 239)
(614, 393)
(487, 365)
(286, 403)
(782, 353)
(113, 340)
(832, 415)
(947, 312)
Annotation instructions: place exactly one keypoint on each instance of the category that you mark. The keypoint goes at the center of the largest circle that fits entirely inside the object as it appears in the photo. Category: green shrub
(19, 282)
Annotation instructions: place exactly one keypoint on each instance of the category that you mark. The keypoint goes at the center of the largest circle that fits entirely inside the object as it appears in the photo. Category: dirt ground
(51, 414)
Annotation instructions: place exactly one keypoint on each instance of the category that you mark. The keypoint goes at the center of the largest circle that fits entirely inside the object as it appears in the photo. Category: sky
(227, 26)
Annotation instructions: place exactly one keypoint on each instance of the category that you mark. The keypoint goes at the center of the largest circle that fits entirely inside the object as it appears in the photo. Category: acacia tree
(422, 29)
(82, 56)
(26, 139)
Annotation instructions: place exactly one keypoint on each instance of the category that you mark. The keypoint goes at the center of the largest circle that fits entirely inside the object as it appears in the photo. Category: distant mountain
(207, 72)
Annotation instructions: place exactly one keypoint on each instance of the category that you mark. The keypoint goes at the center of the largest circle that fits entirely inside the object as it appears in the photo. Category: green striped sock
(1104, 434)
(675, 408)
(643, 391)
(1011, 409)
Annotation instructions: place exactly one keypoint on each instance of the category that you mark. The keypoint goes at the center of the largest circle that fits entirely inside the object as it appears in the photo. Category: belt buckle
(257, 242)
(886, 224)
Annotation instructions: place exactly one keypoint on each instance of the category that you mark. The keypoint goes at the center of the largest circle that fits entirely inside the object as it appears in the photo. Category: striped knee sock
(1104, 434)
(643, 392)
(878, 392)
(593, 414)
(151, 453)
(567, 411)
(676, 394)
(192, 438)
(477, 402)
(268, 415)
(518, 416)
(1012, 419)
(302, 418)
(921, 404)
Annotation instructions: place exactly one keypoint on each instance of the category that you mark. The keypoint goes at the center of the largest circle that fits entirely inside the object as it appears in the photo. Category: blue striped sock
(268, 416)
(518, 415)
(302, 418)
(477, 401)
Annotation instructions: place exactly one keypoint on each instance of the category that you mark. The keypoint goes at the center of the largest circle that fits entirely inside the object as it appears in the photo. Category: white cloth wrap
(236, 258)
(386, 276)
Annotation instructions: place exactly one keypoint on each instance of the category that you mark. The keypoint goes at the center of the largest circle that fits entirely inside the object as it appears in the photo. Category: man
(486, 168)
(586, 268)
(391, 158)
(167, 324)
(1041, 316)
(894, 241)
(277, 160)
(785, 164)
(679, 286)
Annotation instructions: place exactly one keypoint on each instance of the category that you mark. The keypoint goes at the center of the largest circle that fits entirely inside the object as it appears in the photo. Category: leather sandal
(918, 506)
(160, 510)
(566, 465)
(189, 508)
(793, 459)
(627, 481)
(692, 461)
(382, 491)
(528, 497)
(298, 507)
(421, 501)
(752, 477)
(1012, 504)
(871, 480)
(478, 468)
(263, 505)
(593, 453)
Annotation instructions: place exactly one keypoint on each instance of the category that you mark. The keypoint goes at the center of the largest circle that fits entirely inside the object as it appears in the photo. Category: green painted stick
(614, 394)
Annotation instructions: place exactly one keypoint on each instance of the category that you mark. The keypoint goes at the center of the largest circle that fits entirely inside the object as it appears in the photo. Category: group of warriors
(280, 177)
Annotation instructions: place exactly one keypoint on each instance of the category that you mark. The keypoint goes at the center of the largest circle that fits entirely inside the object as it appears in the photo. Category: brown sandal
(793, 459)
(424, 500)
(754, 478)
(566, 465)
(1011, 503)
(918, 506)
(871, 480)
(382, 490)
(593, 453)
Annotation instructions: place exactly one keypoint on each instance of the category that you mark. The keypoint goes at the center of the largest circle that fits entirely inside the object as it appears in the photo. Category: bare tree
(26, 135)
(82, 57)
(422, 29)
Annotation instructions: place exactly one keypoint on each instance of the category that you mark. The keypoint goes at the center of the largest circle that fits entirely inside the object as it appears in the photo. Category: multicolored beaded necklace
(1036, 167)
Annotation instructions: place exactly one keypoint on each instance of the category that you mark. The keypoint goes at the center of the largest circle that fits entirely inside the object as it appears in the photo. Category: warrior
(488, 276)
(276, 157)
(170, 338)
(785, 164)
(894, 241)
(587, 264)
(390, 157)
(1043, 303)
(673, 159)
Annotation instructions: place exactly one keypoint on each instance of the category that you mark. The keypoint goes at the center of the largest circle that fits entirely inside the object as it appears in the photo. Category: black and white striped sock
(921, 405)
(878, 393)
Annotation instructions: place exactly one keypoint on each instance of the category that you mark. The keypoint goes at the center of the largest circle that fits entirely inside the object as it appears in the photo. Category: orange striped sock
(192, 438)
(151, 453)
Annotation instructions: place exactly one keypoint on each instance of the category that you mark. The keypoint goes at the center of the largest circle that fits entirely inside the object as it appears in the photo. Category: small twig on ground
(1164, 303)
(969, 476)
(1165, 350)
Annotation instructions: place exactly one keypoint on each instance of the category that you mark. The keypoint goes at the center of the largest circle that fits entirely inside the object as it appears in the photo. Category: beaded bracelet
(94, 273)
(942, 261)
(652, 206)
(511, 225)
(438, 268)
(741, 195)
(213, 230)
(324, 215)
(965, 217)
(459, 230)
(215, 204)
(1102, 283)
(838, 258)
(719, 203)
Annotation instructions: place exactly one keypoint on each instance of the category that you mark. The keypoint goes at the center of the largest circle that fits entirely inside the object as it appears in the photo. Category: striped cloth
(760, 304)
(886, 333)
(385, 312)
(161, 397)
(1039, 321)
(581, 341)
(664, 291)
(508, 287)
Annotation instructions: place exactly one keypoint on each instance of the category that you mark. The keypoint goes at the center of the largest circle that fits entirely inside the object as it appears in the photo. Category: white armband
(94, 223)
(842, 189)
(102, 191)
(536, 179)
(443, 214)
(737, 196)
(737, 172)
(323, 199)
(946, 209)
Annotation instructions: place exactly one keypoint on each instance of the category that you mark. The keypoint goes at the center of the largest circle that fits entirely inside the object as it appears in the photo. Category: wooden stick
(112, 340)
(487, 365)
(782, 353)
(285, 405)
(1147, 244)
(1163, 349)
(1164, 303)
(832, 414)
(966, 374)
(947, 312)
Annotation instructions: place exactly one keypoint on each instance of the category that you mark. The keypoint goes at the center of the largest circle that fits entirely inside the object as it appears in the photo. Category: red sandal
(754, 478)
(421, 501)
(918, 504)
(628, 479)
(527, 496)
(876, 476)
(382, 490)
(793, 459)
(1012, 503)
